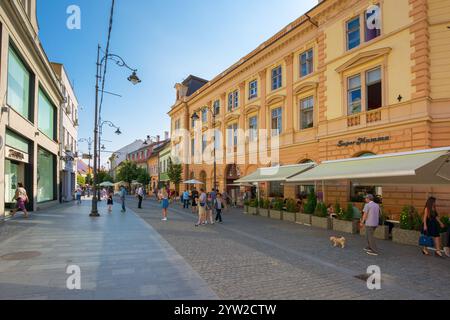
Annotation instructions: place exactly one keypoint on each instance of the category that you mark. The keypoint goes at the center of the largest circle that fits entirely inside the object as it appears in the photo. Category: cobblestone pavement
(251, 257)
(120, 256)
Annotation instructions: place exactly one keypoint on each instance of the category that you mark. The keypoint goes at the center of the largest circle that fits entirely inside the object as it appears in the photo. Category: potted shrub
(264, 208)
(308, 209)
(276, 209)
(410, 226)
(253, 207)
(291, 210)
(382, 231)
(320, 218)
(345, 222)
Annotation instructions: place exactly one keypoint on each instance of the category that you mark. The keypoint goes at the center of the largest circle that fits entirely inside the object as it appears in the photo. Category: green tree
(81, 181)
(143, 176)
(128, 172)
(104, 176)
(175, 171)
(89, 180)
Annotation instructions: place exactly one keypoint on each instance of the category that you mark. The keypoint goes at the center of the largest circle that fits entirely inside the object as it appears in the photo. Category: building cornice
(267, 48)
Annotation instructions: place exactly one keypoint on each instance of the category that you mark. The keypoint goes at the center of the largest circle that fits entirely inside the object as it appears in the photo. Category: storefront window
(45, 176)
(276, 189)
(18, 85)
(358, 193)
(302, 192)
(46, 120)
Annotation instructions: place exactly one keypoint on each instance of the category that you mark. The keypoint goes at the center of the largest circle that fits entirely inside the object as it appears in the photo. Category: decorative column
(240, 159)
(289, 104)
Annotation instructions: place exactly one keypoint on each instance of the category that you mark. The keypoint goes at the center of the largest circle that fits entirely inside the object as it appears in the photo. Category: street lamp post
(89, 142)
(196, 117)
(134, 79)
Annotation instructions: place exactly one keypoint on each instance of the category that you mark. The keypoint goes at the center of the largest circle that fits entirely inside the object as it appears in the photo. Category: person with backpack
(21, 198)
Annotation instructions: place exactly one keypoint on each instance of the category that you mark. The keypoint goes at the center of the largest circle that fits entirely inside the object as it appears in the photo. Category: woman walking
(110, 201)
(432, 225)
(194, 196)
(209, 209)
(21, 198)
(164, 197)
(202, 208)
(78, 194)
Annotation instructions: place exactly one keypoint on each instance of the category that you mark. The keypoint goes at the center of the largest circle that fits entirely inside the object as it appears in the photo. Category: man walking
(122, 194)
(140, 194)
(370, 221)
(186, 199)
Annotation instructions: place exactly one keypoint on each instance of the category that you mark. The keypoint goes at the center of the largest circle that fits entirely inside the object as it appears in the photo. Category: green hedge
(410, 219)
(321, 210)
(311, 203)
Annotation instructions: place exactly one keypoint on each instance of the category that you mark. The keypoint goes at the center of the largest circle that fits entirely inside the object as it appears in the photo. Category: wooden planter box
(345, 226)
(409, 237)
(252, 210)
(289, 216)
(264, 212)
(323, 223)
(275, 214)
(382, 232)
(303, 218)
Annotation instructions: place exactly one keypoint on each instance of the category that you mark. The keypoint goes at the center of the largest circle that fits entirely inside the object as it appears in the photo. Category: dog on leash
(335, 241)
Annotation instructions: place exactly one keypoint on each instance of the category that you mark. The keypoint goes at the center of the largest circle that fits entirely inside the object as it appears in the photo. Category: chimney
(166, 135)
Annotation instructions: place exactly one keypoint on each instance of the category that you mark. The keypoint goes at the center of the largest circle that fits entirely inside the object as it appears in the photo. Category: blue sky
(166, 40)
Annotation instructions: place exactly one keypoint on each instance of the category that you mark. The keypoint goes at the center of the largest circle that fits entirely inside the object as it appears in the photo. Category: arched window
(365, 154)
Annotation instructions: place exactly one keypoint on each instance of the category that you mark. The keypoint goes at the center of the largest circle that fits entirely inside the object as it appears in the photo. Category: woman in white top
(21, 198)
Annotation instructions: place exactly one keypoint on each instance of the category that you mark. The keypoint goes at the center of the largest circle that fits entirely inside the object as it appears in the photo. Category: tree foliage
(128, 171)
(174, 172)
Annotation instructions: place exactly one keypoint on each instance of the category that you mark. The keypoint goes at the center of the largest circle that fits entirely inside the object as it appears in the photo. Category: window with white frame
(307, 113)
(306, 63)
(277, 78)
(233, 100)
(204, 143)
(253, 128)
(374, 89)
(277, 119)
(372, 21)
(232, 135)
(253, 89)
(354, 95)
(216, 107)
(204, 115)
(353, 33)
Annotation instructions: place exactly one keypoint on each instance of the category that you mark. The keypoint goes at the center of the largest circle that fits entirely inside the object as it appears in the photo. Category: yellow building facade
(347, 79)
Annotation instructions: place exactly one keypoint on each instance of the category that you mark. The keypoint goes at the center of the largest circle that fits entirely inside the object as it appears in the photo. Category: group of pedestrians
(431, 227)
(208, 206)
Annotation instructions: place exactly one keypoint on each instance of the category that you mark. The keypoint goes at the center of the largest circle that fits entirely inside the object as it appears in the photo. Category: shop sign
(361, 141)
(14, 154)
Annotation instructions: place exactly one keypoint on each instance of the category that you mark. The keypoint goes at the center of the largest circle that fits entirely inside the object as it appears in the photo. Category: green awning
(425, 167)
(280, 173)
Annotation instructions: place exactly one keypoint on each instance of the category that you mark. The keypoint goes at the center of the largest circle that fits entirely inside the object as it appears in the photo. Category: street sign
(87, 156)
